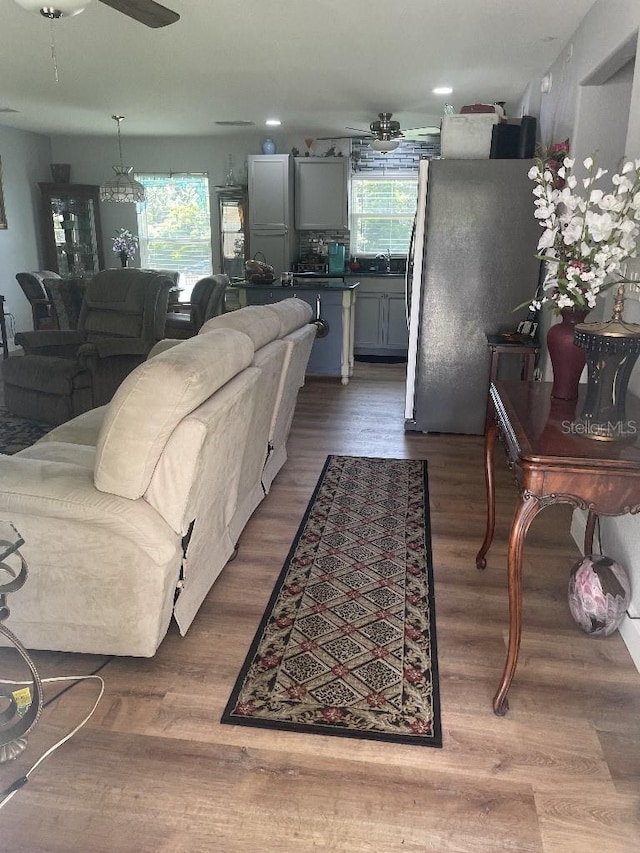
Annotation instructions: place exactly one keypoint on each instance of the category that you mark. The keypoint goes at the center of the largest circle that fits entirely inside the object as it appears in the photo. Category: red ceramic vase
(567, 359)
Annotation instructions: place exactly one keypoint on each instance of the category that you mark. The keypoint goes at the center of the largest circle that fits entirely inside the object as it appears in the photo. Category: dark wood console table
(552, 463)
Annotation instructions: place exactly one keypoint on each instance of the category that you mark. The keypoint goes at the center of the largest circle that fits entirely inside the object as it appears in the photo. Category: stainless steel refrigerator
(472, 261)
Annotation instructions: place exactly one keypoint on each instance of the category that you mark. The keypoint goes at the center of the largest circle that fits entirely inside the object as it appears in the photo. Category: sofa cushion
(82, 456)
(152, 401)
(83, 429)
(258, 322)
(292, 314)
(163, 346)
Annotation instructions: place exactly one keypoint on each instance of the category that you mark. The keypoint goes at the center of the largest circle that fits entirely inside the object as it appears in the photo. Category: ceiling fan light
(56, 8)
(384, 145)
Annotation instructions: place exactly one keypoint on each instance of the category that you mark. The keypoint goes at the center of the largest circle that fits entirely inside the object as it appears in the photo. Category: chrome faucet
(383, 262)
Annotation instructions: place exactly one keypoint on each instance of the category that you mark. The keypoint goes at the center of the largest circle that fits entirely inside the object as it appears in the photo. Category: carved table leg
(490, 436)
(589, 531)
(526, 511)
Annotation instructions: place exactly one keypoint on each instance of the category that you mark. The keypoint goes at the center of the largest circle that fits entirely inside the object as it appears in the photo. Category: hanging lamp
(123, 187)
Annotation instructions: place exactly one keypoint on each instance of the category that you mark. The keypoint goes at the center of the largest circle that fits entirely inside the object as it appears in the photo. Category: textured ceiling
(318, 66)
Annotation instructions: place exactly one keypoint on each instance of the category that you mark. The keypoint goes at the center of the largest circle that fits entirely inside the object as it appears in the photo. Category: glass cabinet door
(233, 234)
(72, 229)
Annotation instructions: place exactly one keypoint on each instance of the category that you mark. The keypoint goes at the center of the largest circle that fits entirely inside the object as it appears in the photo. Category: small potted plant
(125, 245)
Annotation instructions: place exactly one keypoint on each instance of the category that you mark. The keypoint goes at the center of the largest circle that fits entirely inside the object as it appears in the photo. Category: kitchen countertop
(359, 274)
(372, 274)
(300, 283)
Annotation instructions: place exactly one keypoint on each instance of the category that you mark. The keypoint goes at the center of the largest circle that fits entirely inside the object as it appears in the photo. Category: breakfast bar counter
(333, 301)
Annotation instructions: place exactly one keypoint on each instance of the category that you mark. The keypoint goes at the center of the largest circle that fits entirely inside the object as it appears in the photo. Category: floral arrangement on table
(125, 245)
(588, 233)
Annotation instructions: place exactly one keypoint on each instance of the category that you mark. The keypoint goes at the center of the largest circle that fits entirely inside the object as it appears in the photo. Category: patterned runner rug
(18, 433)
(347, 644)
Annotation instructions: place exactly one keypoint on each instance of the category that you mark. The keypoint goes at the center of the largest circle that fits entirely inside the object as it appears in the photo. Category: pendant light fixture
(123, 187)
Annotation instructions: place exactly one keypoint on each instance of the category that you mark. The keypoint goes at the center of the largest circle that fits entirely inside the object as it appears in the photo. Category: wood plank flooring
(155, 771)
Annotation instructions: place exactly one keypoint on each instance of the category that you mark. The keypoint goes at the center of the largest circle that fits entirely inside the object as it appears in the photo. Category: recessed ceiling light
(442, 90)
(273, 122)
(236, 123)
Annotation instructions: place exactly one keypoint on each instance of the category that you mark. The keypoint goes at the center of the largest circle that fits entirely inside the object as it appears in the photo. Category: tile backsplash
(404, 159)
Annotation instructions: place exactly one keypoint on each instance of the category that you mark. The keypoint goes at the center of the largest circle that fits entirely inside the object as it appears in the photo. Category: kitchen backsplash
(404, 159)
(308, 241)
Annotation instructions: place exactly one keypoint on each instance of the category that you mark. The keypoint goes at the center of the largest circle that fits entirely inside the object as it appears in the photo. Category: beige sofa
(129, 512)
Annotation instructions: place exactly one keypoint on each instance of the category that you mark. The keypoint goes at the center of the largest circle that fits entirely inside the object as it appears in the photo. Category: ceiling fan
(147, 12)
(386, 133)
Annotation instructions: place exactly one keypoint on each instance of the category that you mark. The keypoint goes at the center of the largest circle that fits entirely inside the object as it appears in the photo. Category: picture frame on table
(3, 215)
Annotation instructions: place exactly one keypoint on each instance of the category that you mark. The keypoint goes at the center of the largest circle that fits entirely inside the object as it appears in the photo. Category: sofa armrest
(60, 490)
(50, 342)
(108, 347)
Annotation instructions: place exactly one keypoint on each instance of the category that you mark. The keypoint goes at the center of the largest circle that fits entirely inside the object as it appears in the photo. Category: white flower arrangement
(588, 237)
(125, 242)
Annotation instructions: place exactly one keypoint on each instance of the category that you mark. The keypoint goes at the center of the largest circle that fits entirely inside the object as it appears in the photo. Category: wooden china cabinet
(71, 229)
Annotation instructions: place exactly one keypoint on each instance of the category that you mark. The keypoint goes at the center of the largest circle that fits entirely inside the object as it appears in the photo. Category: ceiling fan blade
(361, 131)
(147, 12)
(326, 138)
(421, 132)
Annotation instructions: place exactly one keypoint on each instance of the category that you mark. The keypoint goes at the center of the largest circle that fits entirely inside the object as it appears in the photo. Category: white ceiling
(318, 65)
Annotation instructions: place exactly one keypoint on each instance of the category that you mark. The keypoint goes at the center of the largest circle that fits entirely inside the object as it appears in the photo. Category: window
(174, 226)
(382, 213)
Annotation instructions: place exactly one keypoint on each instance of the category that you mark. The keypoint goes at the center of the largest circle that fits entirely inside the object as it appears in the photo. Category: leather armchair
(207, 301)
(65, 373)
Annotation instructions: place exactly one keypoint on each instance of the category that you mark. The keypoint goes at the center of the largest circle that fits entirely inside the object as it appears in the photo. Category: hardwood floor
(155, 771)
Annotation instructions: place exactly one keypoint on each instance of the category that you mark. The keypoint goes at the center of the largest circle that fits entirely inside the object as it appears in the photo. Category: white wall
(607, 119)
(25, 161)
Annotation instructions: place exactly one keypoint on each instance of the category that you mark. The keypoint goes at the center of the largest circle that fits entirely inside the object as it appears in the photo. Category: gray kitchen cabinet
(275, 246)
(270, 191)
(380, 319)
(326, 353)
(331, 355)
(321, 193)
(368, 326)
(270, 181)
(397, 333)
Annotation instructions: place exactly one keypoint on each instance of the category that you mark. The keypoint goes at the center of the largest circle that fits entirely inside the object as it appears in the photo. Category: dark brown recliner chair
(207, 301)
(65, 373)
(32, 284)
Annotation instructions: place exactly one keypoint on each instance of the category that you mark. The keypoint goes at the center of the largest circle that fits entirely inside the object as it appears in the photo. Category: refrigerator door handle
(409, 274)
(414, 290)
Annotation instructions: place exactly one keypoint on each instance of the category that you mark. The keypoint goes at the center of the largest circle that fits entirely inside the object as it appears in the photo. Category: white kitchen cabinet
(380, 319)
(321, 193)
(270, 178)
